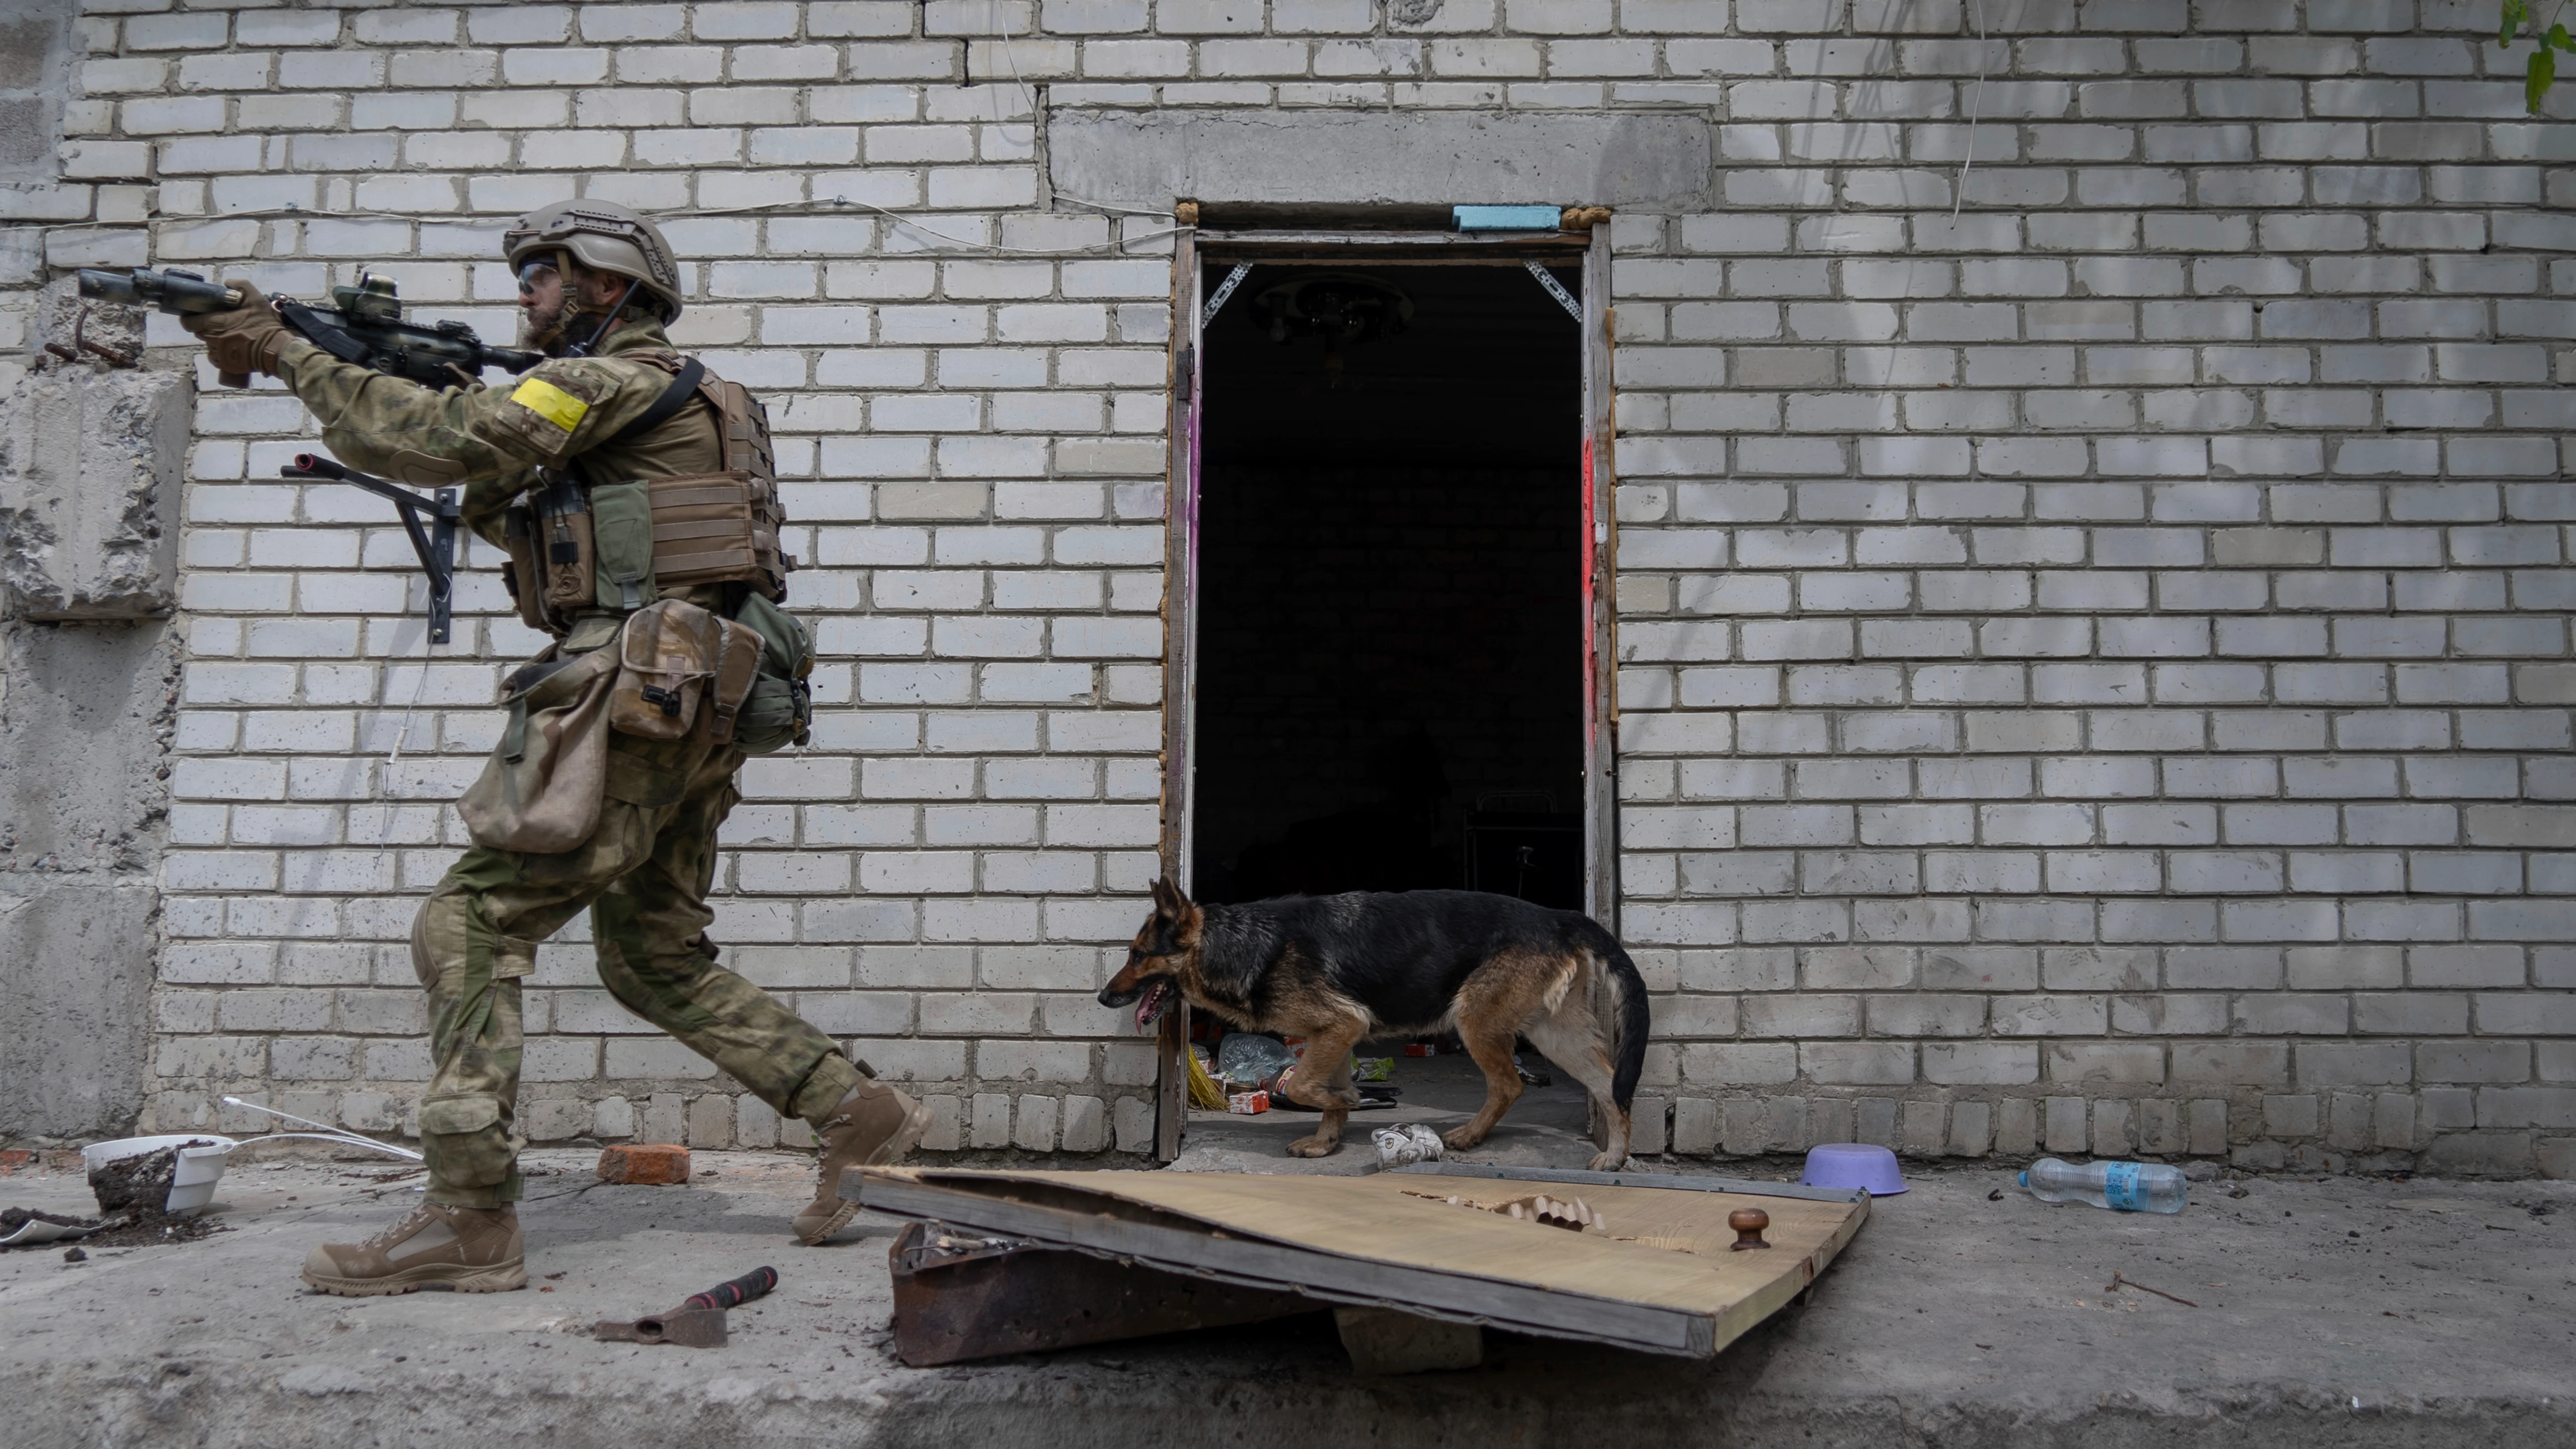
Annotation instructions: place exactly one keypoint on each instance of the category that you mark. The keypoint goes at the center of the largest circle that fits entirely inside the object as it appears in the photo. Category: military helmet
(605, 237)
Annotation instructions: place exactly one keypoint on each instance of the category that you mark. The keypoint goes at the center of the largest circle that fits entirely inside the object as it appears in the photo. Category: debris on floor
(23, 1227)
(699, 1321)
(646, 1165)
(142, 1180)
(1000, 1262)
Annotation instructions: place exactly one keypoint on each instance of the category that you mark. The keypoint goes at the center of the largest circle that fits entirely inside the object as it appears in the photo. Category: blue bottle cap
(2022, 1179)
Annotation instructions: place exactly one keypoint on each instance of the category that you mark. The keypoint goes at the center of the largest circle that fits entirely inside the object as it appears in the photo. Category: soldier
(570, 470)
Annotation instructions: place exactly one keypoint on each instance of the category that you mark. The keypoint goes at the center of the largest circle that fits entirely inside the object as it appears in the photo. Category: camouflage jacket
(491, 440)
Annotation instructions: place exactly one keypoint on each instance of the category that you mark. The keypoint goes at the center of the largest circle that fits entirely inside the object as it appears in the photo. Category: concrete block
(1695, 1126)
(90, 467)
(711, 1120)
(1972, 1127)
(990, 1125)
(2016, 1127)
(1134, 1117)
(75, 974)
(1156, 158)
(2066, 1124)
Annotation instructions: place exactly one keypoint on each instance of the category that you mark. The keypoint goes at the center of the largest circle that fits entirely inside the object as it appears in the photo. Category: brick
(640, 1165)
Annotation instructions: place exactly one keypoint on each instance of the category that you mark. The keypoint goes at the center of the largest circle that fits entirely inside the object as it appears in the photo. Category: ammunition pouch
(778, 710)
(540, 791)
(555, 565)
(682, 670)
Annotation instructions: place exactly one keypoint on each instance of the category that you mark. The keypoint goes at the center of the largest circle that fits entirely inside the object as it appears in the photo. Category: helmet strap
(584, 349)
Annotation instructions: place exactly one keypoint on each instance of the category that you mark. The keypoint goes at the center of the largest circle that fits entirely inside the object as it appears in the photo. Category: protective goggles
(533, 271)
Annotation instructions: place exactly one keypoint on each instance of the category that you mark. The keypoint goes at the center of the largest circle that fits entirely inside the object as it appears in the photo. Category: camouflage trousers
(644, 874)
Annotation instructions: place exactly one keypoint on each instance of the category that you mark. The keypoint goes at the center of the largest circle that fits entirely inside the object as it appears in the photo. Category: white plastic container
(199, 1168)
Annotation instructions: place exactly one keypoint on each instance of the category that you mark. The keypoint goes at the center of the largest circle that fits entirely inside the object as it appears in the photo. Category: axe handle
(736, 1293)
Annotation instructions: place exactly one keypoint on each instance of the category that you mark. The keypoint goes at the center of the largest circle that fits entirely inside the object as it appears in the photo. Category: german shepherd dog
(1340, 969)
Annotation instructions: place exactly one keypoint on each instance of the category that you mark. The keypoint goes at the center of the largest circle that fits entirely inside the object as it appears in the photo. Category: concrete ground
(2345, 1312)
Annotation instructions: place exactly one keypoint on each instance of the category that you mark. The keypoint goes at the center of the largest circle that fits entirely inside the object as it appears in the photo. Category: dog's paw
(1609, 1162)
(1313, 1147)
(1460, 1138)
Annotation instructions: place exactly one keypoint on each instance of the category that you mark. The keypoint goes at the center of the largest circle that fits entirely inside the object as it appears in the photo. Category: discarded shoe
(436, 1247)
(873, 1126)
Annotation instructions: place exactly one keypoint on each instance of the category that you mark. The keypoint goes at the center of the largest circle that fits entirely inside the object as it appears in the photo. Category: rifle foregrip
(233, 379)
(741, 1290)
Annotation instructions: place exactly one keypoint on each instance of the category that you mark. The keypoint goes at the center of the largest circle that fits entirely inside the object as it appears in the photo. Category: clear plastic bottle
(2128, 1187)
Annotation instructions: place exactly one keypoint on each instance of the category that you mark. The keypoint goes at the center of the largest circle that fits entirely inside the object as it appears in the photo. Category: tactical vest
(582, 543)
(585, 542)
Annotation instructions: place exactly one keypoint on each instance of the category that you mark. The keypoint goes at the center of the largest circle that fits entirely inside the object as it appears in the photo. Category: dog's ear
(1176, 911)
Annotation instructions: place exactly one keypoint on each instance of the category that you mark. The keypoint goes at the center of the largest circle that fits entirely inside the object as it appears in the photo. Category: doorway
(1390, 683)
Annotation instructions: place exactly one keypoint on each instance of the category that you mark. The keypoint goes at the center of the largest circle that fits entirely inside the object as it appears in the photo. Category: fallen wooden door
(1660, 1275)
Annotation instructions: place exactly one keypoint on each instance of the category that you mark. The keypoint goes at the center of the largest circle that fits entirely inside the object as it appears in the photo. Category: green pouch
(779, 711)
(621, 530)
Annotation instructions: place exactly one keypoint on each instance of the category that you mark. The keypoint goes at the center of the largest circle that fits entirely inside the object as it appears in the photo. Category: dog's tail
(1628, 1004)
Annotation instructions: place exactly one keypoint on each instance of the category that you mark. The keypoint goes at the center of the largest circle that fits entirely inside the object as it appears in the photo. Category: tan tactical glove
(246, 339)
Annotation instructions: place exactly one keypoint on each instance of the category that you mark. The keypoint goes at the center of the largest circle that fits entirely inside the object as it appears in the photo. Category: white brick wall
(2094, 670)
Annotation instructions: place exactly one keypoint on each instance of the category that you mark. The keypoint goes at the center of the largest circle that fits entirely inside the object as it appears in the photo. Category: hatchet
(698, 1322)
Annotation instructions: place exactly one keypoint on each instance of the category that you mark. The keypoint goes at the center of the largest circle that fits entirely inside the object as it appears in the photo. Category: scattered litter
(26, 1228)
(1253, 1061)
(2128, 1187)
(1372, 1069)
(2119, 1282)
(1996, 1196)
(1248, 1104)
(1406, 1144)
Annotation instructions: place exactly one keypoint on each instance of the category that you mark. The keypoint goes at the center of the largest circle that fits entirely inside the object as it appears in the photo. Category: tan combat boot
(874, 1125)
(437, 1247)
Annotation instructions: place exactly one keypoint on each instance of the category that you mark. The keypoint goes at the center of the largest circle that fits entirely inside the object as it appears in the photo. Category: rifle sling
(673, 398)
(325, 335)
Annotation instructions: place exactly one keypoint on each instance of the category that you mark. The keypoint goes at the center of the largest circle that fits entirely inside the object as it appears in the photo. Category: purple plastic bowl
(1854, 1164)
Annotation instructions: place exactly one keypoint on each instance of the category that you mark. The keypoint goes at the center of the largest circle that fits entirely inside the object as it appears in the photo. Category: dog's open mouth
(1158, 999)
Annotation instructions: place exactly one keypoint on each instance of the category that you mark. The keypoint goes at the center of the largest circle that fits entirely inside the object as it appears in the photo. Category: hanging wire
(1976, 107)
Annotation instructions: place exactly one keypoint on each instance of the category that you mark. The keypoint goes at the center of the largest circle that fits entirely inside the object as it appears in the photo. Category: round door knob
(1748, 1224)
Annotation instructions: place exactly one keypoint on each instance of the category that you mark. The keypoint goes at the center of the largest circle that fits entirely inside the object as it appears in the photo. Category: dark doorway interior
(1390, 633)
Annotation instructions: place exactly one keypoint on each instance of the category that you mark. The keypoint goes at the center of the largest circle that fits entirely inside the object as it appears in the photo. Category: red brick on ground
(649, 1166)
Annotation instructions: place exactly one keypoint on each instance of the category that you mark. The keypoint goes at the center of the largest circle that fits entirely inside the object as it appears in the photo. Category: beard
(541, 330)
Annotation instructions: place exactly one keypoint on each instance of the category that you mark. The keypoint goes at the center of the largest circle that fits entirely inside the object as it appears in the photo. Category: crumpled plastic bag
(1405, 1144)
(1250, 1060)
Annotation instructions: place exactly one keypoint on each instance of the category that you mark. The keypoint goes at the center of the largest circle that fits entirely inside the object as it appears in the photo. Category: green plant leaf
(2510, 21)
(2536, 79)
(2558, 37)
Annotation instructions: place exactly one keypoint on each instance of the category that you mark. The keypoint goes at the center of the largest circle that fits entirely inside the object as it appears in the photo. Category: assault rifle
(364, 325)
(366, 328)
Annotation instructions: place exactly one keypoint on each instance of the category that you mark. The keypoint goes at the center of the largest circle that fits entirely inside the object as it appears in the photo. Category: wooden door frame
(1185, 378)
